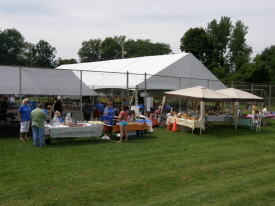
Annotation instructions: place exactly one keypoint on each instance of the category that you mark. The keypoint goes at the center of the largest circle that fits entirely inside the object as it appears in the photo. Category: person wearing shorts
(123, 117)
(24, 113)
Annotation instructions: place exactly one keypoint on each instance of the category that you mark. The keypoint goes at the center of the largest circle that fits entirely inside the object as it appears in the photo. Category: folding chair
(256, 122)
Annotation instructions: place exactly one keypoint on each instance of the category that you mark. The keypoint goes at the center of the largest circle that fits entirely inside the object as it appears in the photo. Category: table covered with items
(111, 124)
(191, 122)
(90, 129)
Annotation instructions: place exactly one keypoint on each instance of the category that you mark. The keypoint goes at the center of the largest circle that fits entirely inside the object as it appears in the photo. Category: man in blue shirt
(141, 107)
(99, 109)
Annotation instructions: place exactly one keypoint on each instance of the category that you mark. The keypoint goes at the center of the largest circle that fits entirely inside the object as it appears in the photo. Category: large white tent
(37, 81)
(164, 72)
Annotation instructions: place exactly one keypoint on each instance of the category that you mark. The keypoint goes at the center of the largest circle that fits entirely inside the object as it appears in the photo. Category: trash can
(32, 104)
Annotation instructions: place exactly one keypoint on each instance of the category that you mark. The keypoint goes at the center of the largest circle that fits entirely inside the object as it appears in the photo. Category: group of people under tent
(7, 102)
(41, 114)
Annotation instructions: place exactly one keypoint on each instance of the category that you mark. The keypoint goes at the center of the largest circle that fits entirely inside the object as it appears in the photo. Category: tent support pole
(127, 89)
(80, 96)
(269, 98)
(145, 90)
(136, 95)
(179, 98)
(20, 84)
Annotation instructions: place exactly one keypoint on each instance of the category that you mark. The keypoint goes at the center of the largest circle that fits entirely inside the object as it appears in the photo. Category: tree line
(221, 47)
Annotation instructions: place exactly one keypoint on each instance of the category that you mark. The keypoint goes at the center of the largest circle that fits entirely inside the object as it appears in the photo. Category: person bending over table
(109, 111)
(38, 129)
(123, 118)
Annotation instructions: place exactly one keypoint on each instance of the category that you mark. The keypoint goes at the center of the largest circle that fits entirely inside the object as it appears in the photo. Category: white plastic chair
(256, 122)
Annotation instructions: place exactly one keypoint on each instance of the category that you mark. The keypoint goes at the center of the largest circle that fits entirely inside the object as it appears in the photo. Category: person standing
(109, 111)
(141, 108)
(38, 129)
(99, 109)
(264, 116)
(87, 110)
(255, 108)
(123, 117)
(57, 105)
(11, 102)
(24, 114)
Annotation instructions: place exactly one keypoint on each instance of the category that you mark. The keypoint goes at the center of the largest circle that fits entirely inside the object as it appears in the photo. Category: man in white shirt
(11, 102)
(264, 116)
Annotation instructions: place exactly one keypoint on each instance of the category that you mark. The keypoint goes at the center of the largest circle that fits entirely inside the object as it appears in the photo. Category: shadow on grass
(65, 142)
(221, 130)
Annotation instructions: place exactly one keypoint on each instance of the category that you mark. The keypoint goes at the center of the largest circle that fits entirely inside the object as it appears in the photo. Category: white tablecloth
(185, 122)
(81, 131)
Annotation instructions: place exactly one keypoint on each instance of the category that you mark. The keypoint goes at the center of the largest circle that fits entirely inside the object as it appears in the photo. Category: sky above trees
(65, 24)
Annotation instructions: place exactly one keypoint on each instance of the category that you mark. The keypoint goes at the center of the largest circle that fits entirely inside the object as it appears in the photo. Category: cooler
(110, 120)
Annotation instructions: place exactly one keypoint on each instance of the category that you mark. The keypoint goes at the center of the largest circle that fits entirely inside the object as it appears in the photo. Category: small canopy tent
(240, 96)
(201, 94)
(164, 72)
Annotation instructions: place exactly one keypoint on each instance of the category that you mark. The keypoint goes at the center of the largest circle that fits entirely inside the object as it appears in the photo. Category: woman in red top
(123, 117)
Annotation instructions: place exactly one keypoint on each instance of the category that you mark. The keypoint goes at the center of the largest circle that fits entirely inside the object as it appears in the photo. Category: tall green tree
(239, 51)
(265, 64)
(110, 49)
(197, 42)
(65, 61)
(90, 51)
(44, 55)
(219, 34)
(28, 53)
(141, 48)
(11, 46)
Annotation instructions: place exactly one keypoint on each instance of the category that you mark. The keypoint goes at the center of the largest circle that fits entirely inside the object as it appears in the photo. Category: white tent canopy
(206, 95)
(239, 95)
(165, 72)
(37, 81)
(201, 94)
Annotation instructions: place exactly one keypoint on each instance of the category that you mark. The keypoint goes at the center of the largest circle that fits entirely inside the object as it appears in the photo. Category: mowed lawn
(220, 167)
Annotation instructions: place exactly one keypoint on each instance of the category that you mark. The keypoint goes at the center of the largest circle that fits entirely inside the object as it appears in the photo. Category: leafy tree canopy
(11, 46)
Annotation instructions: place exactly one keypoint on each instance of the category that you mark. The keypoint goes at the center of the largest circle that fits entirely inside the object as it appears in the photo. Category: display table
(220, 118)
(185, 122)
(130, 127)
(245, 122)
(270, 116)
(87, 130)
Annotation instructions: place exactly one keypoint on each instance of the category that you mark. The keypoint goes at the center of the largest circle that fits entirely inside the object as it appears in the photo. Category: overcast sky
(65, 24)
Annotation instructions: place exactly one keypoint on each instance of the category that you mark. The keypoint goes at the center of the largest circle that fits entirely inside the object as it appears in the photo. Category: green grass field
(220, 167)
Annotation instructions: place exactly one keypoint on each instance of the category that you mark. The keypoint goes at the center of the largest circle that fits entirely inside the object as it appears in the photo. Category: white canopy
(37, 81)
(239, 95)
(206, 95)
(201, 94)
(164, 72)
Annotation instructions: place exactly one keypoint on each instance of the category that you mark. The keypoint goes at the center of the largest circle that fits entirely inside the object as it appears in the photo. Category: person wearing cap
(38, 129)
